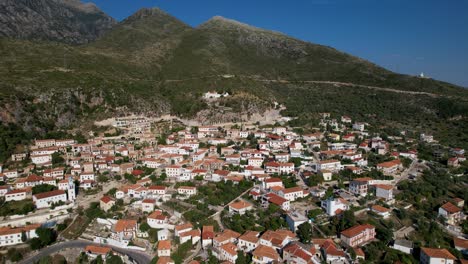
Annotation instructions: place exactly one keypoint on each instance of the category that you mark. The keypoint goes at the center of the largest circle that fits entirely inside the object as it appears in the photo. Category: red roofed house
(240, 207)
(228, 252)
(106, 203)
(331, 253)
(390, 167)
(272, 182)
(47, 199)
(94, 251)
(265, 254)
(164, 248)
(451, 213)
(358, 235)
(380, 210)
(207, 236)
(157, 220)
(125, 230)
(17, 195)
(248, 241)
(147, 205)
(13, 236)
(278, 200)
(384, 191)
(436, 256)
(293, 193)
(300, 254)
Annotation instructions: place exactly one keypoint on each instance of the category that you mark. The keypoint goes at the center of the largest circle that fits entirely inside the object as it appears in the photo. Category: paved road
(138, 256)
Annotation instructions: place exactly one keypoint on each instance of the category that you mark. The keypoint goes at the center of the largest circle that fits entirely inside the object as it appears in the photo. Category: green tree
(113, 259)
(144, 227)
(304, 232)
(14, 255)
(43, 188)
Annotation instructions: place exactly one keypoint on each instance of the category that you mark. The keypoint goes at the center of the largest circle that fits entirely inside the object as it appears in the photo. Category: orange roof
(49, 194)
(264, 251)
(450, 208)
(18, 230)
(106, 199)
(164, 245)
(98, 250)
(278, 200)
(183, 226)
(460, 242)
(438, 253)
(230, 248)
(124, 224)
(293, 189)
(389, 164)
(379, 208)
(240, 205)
(384, 186)
(155, 214)
(355, 230)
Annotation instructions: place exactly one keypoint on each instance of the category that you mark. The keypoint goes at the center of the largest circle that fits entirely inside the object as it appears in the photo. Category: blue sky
(406, 36)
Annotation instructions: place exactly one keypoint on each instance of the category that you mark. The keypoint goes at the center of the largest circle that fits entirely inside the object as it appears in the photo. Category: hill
(68, 21)
(155, 64)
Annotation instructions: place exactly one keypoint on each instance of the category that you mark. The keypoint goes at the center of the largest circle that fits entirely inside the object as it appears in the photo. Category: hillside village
(243, 193)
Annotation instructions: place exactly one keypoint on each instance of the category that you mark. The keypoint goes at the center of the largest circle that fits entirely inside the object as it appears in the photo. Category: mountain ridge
(134, 67)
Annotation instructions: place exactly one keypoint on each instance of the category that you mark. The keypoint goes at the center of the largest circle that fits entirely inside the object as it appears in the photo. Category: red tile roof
(49, 194)
(438, 253)
(355, 230)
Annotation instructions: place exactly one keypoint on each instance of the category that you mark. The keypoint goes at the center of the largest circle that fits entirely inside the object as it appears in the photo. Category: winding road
(138, 256)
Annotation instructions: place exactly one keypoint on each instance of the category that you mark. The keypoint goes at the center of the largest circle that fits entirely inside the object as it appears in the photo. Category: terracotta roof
(98, 250)
(124, 224)
(240, 205)
(164, 245)
(379, 208)
(293, 189)
(183, 226)
(273, 180)
(207, 232)
(154, 214)
(278, 200)
(49, 194)
(384, 186)
(150, 201)
(460, 242)
(389, 164)
(16, 191)
(438, 253)
(264, 251)
(157, 187)
(17, 230)
(355, 230)
(106, 199)
(297, 251)
(230, 248)
(450, 208)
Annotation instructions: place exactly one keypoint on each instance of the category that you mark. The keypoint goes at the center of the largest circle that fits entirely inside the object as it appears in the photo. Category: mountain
(155, 64)
(68, 21)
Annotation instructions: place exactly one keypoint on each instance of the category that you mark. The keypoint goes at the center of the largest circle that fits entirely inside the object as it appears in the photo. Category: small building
(295, 219)
(436, 256)
(106, 203)
(240, 207)
(405, 246)
(164, 248)
(47, 199)
(451, 213)
(358, 235)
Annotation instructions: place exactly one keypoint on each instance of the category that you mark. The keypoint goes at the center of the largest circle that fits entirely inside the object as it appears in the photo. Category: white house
(436, 256)
(334, 206)
(44, 200)
(13, 236)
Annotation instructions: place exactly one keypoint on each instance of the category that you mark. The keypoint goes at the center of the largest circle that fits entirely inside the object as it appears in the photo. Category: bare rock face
(68, 21)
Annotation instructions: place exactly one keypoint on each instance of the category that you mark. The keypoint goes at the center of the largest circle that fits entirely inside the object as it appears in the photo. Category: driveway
(138, 256)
